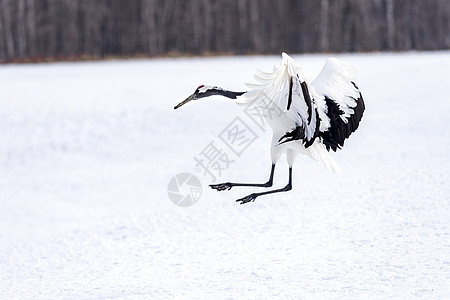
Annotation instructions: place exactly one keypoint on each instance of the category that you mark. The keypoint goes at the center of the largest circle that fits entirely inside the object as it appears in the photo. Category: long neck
(221, 92)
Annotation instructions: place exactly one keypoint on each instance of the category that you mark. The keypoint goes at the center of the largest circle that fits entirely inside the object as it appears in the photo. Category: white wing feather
(272, 93)
(342, 102)
(335, 82)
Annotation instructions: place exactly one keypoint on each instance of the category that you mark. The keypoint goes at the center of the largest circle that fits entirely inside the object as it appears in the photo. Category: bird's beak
(191, 97)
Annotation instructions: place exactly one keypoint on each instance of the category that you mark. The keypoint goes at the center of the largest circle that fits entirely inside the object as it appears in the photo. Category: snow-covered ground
(87, 151)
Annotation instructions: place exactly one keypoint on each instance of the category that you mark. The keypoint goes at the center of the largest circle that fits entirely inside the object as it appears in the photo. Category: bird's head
(201, 92)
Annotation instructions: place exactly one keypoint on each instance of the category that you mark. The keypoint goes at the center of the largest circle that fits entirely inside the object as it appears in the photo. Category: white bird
(311, 118)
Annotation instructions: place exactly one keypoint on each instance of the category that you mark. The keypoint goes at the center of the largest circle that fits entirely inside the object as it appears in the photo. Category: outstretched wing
(340, 100)
(285, 94)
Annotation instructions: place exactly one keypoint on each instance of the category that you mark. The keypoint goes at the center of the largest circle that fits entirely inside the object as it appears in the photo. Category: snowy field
(87, 151)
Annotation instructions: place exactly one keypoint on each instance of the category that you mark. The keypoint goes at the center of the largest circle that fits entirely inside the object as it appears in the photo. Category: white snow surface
(87, 150)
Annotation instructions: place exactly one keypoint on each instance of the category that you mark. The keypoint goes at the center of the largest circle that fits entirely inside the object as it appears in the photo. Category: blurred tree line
(38, 29)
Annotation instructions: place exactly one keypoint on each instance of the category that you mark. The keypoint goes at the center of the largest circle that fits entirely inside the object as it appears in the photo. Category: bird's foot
(222, 186)
(246, 199)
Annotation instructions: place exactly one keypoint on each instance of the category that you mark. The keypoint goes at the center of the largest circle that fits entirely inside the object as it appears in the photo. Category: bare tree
(37, 29)
(324, 11)
(6, 7)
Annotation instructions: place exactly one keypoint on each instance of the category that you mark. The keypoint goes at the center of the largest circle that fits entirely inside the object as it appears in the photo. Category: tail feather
(318, 152)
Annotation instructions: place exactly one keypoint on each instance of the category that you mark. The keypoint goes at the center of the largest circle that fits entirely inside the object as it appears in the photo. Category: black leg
(229, 185)
(253, 196)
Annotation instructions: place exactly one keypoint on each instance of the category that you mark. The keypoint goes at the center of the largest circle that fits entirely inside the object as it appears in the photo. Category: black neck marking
(221, 92)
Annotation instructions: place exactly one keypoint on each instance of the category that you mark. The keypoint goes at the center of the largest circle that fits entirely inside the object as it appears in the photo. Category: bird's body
(310, 118)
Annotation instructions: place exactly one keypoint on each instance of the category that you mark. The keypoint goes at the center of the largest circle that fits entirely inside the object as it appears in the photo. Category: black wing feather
(307, 99)
(339, 130)
(290, 93)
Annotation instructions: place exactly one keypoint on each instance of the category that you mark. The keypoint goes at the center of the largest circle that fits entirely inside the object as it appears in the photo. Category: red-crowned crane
(311, 118)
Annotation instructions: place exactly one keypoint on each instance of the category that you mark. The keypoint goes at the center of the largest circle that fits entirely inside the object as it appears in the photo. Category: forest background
(36, 30)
